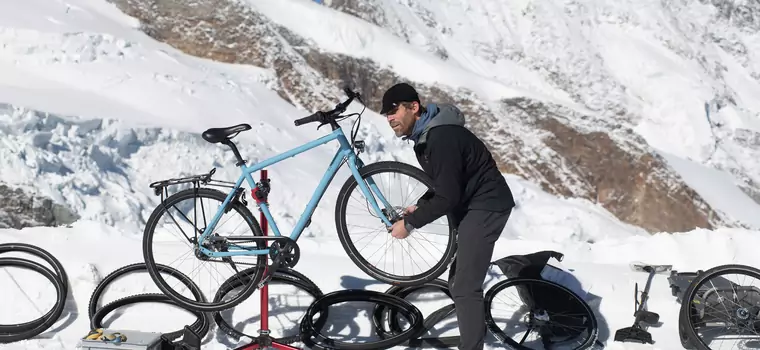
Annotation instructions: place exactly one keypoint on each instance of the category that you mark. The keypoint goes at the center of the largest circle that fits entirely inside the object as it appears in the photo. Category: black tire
(281, 276)
(686, 322)
(348, 245)
(24, 331)
(60, 273)
(199, 327)
(101, 287)
(163, 285)
(560, 289)
(96, 314)
(314, 339)
(416, 341)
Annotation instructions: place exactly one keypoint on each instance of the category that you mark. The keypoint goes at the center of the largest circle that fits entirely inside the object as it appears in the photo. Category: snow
(718, 189)
(341, 33)
(92, 111)
(659, 61)
(88, 252)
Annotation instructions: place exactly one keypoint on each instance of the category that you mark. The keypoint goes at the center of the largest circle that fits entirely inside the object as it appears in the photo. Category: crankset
(284, 252)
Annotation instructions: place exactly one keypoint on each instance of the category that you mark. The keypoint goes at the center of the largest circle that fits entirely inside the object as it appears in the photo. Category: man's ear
(416, 109)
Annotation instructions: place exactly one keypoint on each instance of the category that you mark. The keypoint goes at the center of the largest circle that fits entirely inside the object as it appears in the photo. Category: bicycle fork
(371, 192)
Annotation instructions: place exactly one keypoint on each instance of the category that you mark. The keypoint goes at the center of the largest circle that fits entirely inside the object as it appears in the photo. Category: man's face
(402, 118)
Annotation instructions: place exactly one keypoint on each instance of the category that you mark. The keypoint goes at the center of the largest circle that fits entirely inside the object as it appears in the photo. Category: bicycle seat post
(240, 160)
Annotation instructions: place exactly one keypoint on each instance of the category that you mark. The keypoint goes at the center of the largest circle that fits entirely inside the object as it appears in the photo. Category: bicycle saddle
(216, 135)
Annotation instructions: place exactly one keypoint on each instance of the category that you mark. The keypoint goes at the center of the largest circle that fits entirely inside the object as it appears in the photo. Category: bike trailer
(102, 339)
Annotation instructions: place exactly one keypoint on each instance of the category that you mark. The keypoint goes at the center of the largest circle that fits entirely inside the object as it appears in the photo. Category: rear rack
(159, 187)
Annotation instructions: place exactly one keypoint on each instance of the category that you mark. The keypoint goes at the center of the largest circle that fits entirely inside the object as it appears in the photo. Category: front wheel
(417, 259)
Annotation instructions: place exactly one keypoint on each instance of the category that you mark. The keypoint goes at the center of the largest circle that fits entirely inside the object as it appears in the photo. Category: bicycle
(208, 245)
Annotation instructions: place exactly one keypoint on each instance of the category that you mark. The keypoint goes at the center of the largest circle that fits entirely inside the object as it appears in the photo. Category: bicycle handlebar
(329, 116)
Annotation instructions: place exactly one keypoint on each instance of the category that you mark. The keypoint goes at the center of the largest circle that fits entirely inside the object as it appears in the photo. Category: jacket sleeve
(425, 198)
(446, 170)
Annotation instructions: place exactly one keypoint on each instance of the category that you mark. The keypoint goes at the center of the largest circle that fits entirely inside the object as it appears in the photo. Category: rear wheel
(722, 304)
(542, 315)
(171, 239)
(417, 259)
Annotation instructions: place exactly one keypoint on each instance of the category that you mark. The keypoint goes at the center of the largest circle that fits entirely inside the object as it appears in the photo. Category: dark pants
(477, 234)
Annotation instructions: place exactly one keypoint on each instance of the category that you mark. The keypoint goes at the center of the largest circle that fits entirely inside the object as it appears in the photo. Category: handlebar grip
(350, 93)
(310, 119)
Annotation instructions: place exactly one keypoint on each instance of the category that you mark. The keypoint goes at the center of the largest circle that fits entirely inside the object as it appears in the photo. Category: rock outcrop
(19, 209)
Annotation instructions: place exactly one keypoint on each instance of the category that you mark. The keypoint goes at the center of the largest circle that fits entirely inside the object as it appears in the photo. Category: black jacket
(464, 173)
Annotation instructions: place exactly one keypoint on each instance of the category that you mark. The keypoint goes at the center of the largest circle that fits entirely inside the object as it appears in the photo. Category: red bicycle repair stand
(264, 340)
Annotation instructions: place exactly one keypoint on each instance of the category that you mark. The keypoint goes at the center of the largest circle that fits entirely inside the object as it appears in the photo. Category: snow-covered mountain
(588, 99)
(97, 111)
(99, 99)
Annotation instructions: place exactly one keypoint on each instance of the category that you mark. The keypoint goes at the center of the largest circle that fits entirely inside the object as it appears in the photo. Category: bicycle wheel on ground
(290, 294)
(171, 239)
(417, 259)
(722, 305)
(527, 313)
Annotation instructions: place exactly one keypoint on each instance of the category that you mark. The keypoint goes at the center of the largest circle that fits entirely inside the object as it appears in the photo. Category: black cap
(401, 92)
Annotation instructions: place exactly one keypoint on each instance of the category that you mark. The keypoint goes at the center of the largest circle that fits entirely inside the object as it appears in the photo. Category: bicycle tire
(436, 316)
(378, 274)
(162, 284)
(199, 327)
(314, 339)
(57, 268)
(692, 337)
(501, 336)
(92, 305)
(43, 323)
(282, 276)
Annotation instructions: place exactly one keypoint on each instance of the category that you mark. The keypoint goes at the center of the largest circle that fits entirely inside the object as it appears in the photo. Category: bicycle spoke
(399, 257)
(229, 235)
(536, 314)
(724, 311)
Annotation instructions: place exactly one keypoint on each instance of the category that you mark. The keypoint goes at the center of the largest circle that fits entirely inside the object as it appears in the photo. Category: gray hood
(441, 114)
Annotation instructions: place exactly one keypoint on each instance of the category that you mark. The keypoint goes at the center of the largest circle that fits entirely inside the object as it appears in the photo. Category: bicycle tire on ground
(108, 279)
(282, 276)
(28, 330)
(690, 331)
(60, 273)
(314, 339)
(501, 336)
(163, 285)
(199, 327)
(417, 340)
(96, 315)
(357, 258)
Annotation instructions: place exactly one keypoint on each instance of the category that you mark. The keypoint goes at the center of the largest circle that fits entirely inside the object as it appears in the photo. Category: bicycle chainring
(285, 252)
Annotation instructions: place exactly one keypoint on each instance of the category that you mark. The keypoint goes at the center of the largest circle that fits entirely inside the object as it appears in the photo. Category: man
(467, 184)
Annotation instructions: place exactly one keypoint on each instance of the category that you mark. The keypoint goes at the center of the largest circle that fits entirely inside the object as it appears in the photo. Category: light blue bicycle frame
(345, 151)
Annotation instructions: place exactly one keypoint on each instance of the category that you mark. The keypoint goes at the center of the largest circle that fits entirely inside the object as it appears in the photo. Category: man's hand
(410, 209)
(398, 230)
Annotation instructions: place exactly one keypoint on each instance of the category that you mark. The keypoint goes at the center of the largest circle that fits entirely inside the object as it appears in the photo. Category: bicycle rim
(549, 312)
(421, 257)
(722, 301)
(175, 225)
